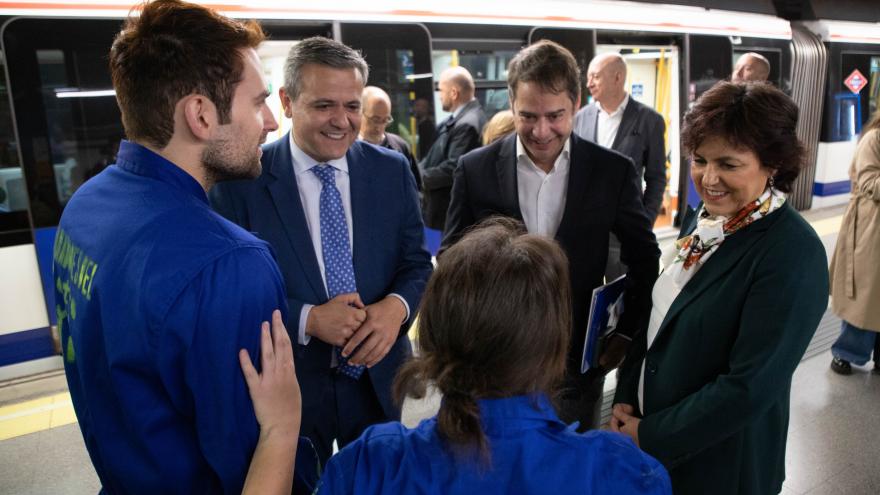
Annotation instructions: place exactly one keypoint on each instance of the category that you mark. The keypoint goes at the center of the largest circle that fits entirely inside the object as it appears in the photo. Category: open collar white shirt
(542, 195)
(608, 123)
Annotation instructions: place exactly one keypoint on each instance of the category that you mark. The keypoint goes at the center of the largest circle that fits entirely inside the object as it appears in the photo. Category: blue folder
(605, 308)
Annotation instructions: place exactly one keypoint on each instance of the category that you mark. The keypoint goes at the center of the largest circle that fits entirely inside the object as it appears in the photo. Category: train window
(82, 116)
(489, 70)
(66, 114)
(772, 56)
(852, 110)
(706, 63)
(400, 64)
(14, 224)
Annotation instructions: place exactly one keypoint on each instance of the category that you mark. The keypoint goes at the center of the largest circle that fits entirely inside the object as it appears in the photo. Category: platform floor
(832, 439)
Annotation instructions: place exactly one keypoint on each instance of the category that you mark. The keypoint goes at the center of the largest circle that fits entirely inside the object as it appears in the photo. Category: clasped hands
(624, 420)
(346, 322)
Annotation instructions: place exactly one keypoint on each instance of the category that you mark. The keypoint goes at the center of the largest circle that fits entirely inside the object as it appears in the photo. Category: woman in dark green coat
(706, 390)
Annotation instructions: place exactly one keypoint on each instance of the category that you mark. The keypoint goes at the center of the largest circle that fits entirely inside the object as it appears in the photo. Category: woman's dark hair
(171, 50)
(494, 322)
(754, 116)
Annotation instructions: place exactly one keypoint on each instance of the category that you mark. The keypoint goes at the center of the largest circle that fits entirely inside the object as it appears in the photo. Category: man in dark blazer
(617, 121)
(563, 187)
(343, 218)
(456, 135)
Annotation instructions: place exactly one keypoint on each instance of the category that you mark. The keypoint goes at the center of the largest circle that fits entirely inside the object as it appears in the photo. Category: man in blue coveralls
(155, 292)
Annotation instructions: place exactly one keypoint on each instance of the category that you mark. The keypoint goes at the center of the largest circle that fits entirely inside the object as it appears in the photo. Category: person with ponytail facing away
(494, 329)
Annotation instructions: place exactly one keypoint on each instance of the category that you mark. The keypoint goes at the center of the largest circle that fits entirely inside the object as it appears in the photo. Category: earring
(772, 182)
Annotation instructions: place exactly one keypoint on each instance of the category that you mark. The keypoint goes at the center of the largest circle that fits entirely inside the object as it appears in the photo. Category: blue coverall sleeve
(219, 312)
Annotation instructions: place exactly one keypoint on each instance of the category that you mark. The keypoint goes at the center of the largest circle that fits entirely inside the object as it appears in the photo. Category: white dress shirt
(666, 289)
(309, 186)
(541, 194)
(609, 123)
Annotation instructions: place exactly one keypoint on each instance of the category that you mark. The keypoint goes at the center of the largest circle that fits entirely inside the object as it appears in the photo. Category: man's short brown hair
(547, 64)
(174, 49)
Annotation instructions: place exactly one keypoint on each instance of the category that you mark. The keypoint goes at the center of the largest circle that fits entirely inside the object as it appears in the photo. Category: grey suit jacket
(639, 137)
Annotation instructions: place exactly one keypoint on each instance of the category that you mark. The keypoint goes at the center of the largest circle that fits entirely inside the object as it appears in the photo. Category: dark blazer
(639, 137)
(602, 198)
(398, 144)
(388, 248)
(718, 374)
(455, 137)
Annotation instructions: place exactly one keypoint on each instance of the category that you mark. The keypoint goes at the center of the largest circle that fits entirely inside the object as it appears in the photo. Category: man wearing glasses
(376, 109)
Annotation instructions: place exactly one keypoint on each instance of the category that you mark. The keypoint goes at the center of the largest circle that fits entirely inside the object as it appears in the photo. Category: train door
(652, 80)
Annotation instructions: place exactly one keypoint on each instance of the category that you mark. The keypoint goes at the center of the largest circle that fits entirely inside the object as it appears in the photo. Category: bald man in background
(751, 67)
(456, 135)
(616, 121)
(376, 110)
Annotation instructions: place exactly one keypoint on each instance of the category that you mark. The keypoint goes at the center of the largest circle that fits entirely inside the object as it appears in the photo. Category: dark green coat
(718, 374)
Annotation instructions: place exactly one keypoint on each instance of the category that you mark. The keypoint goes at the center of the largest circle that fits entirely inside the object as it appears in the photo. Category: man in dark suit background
(376, 112)
(343, 218)
(563, 187)
(456, 135)
(617, 121)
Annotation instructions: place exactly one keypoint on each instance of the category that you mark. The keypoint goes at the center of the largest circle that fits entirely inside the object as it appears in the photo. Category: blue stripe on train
(831, 188)
(432, 240)
(44, 242)
(19, 347)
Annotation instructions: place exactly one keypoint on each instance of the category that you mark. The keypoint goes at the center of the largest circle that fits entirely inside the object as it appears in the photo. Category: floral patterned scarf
(695, 249)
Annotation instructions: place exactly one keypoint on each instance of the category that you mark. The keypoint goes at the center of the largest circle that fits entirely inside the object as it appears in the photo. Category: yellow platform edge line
(36, 415)
(827, 226)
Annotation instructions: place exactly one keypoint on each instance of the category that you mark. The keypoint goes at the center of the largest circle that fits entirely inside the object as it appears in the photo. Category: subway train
(60, 122)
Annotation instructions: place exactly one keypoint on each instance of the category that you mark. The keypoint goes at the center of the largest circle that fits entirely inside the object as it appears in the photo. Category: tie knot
(325, 173)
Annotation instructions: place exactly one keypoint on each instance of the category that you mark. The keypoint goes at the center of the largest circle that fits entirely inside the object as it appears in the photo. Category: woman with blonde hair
(500, 125)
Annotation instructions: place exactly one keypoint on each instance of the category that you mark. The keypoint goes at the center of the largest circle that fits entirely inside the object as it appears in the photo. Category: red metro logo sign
(855, 81)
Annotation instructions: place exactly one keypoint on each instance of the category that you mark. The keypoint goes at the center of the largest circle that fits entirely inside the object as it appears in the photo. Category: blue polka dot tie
(338, 267)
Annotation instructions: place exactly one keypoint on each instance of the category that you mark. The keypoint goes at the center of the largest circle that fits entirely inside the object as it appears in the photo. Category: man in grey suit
(617, 121)
(456, 136)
